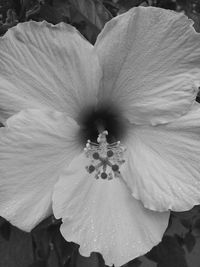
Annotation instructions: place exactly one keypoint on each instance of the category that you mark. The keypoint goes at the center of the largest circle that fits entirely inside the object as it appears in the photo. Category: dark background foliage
(44, 246)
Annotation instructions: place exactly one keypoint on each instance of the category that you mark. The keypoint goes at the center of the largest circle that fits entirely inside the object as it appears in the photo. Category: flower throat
(101, 131)
(94, 121)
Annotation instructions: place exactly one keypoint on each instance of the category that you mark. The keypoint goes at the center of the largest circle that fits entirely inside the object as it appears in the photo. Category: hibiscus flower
(107, 137)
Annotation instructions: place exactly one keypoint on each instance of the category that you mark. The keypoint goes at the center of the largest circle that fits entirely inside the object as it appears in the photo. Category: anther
(95, 155)
(91, 168)
(103, 175)
(115, 167)
(110, 153)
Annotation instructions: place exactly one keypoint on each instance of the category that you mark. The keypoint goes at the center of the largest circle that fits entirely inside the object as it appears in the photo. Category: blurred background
(44, 246)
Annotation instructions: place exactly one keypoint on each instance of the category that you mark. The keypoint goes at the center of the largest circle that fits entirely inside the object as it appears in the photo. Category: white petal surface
(151, 64)
(102, 216)
(163, 169)
(34, 147)
(46, 65)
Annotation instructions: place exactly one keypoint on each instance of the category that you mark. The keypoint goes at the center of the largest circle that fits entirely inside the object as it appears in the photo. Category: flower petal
(102, 216)
(150, 60)
(163, 168)
(34, 147)
(46, 65)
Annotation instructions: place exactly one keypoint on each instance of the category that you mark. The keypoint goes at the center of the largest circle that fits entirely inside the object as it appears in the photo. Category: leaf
(24, 6)
(87, 16)
(187, 215)
(196, 228)
(33, 11)
(5, 230)
(111, 6)
(51, 220)
(54, 13)
(125, 5)
(10, 21)
(197, 224)
(167, 4)
(4, 6)
(186, 223)
(129, 3)
(168, 253)
(41, 244)
(17, 6)
(63, 250)
(92, 261)
(196, 18)
(50, 246)
(133, 263)
(180, 239)
(38, 264)
(189, 241)
(93, 11)
(17, 252)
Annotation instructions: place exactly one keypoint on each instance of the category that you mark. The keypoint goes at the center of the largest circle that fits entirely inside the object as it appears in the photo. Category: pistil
(105, 159)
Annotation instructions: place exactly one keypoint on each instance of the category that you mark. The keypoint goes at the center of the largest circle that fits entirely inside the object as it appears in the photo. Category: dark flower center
(94, 121)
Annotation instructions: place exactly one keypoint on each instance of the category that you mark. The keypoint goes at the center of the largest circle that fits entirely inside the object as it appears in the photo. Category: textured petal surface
(46, 65)
(151, 64)
(102, 216)
(34, 147)
(163, 169)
